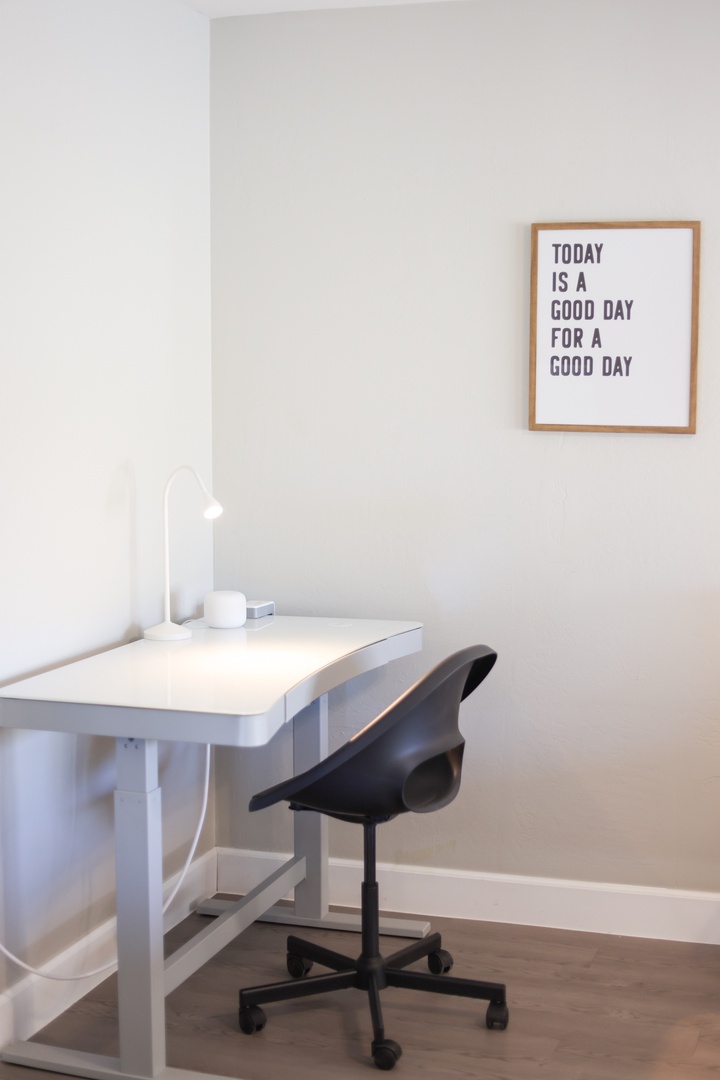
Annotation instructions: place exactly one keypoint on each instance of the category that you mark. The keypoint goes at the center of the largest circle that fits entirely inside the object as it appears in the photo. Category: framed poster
(614, 326)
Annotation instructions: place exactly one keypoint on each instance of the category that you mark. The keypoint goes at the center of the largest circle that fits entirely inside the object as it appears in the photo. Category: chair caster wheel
(298, 966)
(498, 1015)
(386, 1054)
(252, 1019)
(440, 962)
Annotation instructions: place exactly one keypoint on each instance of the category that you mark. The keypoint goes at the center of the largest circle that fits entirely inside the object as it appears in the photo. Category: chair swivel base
(372, 974)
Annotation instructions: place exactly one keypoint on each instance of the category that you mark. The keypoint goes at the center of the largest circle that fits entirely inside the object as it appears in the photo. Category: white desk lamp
(167, 630)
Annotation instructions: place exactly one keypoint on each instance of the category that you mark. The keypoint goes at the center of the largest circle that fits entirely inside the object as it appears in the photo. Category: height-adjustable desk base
(144, 978)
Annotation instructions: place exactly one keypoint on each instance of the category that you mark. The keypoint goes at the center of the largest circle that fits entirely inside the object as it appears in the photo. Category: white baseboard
(34, 1001)
(626, 910)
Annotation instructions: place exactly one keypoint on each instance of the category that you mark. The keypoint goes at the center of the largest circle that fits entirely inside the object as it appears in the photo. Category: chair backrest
(408, 759)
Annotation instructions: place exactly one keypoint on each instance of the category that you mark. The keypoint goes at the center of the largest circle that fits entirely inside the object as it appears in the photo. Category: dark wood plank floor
(582, 1007)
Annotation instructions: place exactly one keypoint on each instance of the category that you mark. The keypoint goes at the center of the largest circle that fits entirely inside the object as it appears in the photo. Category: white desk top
(228, 687)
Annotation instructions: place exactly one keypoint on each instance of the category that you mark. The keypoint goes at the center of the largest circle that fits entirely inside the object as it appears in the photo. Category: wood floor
(582, 1007)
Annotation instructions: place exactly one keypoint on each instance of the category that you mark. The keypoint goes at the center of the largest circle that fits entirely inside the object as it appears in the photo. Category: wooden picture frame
(614, 326)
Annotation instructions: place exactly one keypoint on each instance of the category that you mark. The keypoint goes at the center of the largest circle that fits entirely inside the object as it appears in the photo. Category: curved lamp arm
(168, 630)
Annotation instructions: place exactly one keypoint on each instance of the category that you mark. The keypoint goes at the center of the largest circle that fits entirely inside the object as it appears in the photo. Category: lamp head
(212, 508)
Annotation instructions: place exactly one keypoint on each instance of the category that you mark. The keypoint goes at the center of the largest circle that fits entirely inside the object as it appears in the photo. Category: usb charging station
(257, 609)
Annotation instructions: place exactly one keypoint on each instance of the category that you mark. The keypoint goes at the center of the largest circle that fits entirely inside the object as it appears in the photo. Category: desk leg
(310, 745)
(138, 860)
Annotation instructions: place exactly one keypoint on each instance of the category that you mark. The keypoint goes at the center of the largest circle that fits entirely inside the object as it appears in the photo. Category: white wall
(375, 175)
(104, 389)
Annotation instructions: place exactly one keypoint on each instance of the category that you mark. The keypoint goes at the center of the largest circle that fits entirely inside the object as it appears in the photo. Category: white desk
(228, 688)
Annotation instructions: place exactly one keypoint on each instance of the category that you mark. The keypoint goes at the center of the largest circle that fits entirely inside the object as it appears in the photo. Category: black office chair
(408, 759)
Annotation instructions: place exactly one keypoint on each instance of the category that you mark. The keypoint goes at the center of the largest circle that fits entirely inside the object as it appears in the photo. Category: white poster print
(613, 331)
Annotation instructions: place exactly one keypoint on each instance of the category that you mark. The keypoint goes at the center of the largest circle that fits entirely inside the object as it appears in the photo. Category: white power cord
(196, 838)
(166, 905)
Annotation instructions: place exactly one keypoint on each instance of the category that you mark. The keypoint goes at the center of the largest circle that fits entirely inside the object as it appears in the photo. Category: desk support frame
(144, 977)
